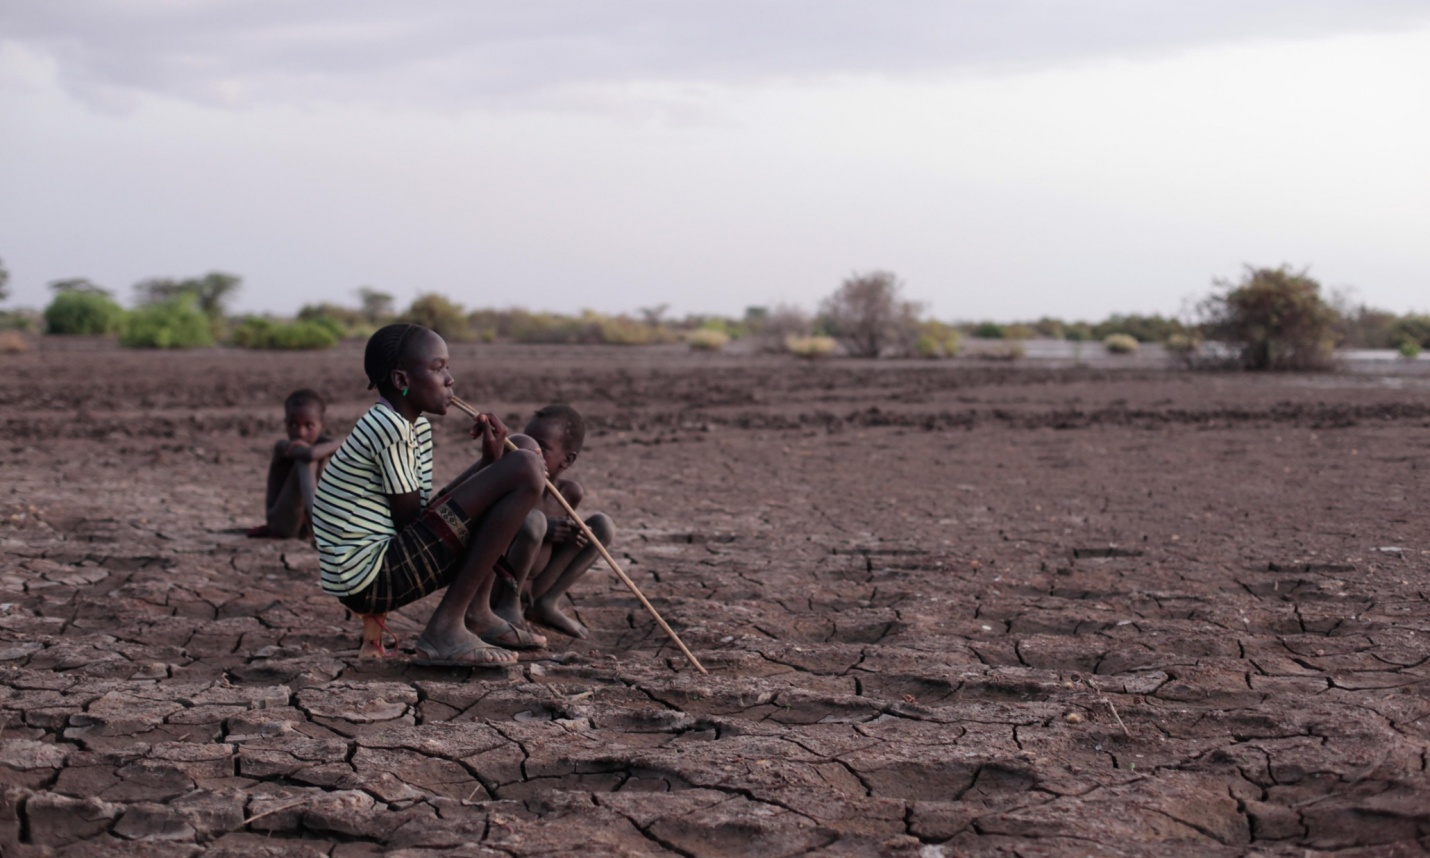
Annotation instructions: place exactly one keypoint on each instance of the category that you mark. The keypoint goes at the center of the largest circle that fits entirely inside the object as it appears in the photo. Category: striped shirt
(352, 517)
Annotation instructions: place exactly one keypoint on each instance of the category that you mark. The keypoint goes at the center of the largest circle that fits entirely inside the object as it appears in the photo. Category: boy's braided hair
(573, 425)
(388, 349)
(299, 398)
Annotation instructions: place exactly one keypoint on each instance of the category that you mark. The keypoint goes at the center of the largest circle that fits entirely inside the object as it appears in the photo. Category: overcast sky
(1006, 158)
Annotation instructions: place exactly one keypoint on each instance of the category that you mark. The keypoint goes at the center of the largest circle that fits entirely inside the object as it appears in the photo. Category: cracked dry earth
(947, 609)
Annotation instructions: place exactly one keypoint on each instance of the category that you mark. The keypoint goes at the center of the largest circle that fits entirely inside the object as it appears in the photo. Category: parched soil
(947, 609)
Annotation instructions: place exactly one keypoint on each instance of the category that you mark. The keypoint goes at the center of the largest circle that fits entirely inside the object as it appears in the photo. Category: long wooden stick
(605, 555)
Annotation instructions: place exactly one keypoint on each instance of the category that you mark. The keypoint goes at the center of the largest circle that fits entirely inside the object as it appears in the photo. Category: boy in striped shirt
(383, 541)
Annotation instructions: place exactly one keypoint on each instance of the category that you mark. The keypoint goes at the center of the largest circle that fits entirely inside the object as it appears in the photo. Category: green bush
(175, 324)
(1120, 344)
(344, 322)
(1009, 351)
(1410, 349)
(625, 331)
(1183, 344)
(525, 327)
(936, 340)
(810, 347)
(989, 331)
(87, 313)
(1367, 328)
(1050, 328)
(707, 340)
(1412, 327)
(439, 313)
(1077, 332)
(1146, 329)
(1276, 316)
(20, 320)
(258, 333)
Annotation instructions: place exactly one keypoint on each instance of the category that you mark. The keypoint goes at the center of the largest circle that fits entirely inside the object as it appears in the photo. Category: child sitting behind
(293, 471)
(551, 552)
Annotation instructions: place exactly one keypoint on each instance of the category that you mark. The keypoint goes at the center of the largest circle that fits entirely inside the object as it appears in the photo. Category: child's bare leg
(568, 564)
(308, 483)
(288, 512)
(374, 634)
(520, 556)
(496, 501)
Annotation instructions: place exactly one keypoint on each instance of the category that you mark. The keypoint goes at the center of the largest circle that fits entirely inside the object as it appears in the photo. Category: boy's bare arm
(560, 528)
(571, 491)
(492, 434)
(405, 509)
(316, 453)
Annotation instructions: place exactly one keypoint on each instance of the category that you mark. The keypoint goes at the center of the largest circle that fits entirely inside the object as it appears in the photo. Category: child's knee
(527, 471)
(602, 527)
(533, 529)
(525, 442)
(534, 471)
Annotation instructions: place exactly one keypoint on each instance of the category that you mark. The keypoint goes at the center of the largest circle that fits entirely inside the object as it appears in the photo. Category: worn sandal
(472, 654)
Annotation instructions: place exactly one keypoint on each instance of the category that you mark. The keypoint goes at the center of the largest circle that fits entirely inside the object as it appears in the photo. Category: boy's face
(429, 382)
(304, 423)
(548, 436)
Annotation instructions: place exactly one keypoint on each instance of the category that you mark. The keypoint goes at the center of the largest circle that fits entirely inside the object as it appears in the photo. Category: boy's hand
(489, 429)
(561, 529)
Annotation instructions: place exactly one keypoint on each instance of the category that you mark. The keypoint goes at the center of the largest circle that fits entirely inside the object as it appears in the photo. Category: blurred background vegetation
(1269, 318)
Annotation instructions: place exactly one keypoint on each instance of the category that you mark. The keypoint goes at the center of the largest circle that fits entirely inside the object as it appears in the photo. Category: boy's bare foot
(548, 614)
(512, 636)
(374, 634)
(523, 635)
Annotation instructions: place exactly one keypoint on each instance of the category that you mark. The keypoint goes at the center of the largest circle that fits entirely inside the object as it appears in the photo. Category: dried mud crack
(947, 610)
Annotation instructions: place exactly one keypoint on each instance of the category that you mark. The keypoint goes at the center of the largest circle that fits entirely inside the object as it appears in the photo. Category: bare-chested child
(551, 553)
(293, 471)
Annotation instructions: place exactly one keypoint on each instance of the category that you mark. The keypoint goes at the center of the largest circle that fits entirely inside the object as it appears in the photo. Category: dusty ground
(947, 609)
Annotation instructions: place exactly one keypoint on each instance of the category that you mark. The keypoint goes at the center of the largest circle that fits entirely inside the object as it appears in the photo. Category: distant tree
(211, 292)
(1050, 327)
(75, 284)
(343, 321)
(4, 281)
(1360, 326)
(1412, 328)
(377, 306)
(778, 326)
(654, 315)
(1276, 316)
(868, 315)
(1145, 329)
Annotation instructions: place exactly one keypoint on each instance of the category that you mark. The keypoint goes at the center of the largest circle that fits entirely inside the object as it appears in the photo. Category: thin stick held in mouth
(605, 555)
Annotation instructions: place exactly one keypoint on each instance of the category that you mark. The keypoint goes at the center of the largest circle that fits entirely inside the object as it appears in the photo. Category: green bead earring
(404, 391)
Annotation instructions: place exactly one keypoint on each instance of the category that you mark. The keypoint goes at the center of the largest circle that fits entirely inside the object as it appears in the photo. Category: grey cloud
(459, 52)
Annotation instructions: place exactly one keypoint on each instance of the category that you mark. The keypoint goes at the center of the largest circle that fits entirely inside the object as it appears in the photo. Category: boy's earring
(404, 391)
